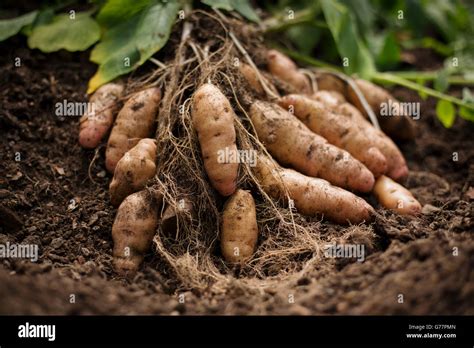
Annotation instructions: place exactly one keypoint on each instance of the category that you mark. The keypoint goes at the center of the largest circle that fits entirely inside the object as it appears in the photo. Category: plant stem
(430, 76)
(280, 23)
(390, 78)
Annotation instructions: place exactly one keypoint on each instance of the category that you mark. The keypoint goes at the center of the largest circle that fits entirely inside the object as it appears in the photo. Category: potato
(213, 120)
(397, 126)
(329, 98)
(135, 120)
(95, 123)
(397, 167)
(249, 75)
(329, 82)
(352, 133)
(293, 144)
(286, 70)
(134, 169)
(394, 196)
(133, 230)
(239, 232)
(311, 196)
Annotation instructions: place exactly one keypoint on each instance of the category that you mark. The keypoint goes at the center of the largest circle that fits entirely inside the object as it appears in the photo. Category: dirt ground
(428, 259)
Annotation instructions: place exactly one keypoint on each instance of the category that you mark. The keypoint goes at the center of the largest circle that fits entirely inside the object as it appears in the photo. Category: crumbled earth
(54, 194)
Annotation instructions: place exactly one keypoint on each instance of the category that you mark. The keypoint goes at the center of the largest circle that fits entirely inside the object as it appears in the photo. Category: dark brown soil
(47, 198)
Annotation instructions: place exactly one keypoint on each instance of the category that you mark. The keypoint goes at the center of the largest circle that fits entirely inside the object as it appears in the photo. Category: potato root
(135, 120)
(394, 196)
(213, 120)
(133, 171)
(95, 123)
(286, 70)
(311, 196)
(169, 219)
(239, 232)
(350, 132)
(133, 230)
(293, 144)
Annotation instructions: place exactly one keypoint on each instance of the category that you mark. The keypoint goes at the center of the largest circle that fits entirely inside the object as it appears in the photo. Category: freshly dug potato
(239, 232)
(394, 196)
(329, 82)
(135, 120)
(251, 77)
(352, 133)
(293, 144)
(397, 126)
(94, 125)
(213, 119)
(311, 196)
(134, 169)
(286, 70)
(133, 230)
(330, 98)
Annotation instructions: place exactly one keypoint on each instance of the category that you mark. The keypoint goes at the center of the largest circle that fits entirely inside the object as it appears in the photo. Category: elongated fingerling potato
(397, 126)
(213, 120)
(135, 120)
(352, 133)
(96, 122)
(286, 70)
(293, 144)
(393, 196)
(134, 169)
(133, 230)
(239, 232)
(311, 196)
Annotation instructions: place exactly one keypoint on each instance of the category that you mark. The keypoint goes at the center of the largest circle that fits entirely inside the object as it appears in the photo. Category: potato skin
(135, 120)
(134, 169)
(286, 70)
(312, 196)
(94, 126)
(249, 75)
(397, 168)
(239, 231)
(359, 138)
(394, 196)
(133, 230)
(293, 144)
(213, 120)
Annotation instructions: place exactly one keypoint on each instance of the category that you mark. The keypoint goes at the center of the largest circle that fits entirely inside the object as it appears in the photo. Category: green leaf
(466, 113)
(364, 13)
(241, 6)
(389, 56)
(344, 31)
(117, 11)
(130, 43)
(72, 33)
(441, 83)
(446, 112)
(11, 27)
(305, 37)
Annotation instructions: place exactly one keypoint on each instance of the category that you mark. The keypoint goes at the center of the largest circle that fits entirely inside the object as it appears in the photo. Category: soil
(416, 265)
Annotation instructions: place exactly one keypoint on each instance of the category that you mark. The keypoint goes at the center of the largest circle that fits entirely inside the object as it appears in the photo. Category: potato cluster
(320, 152)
